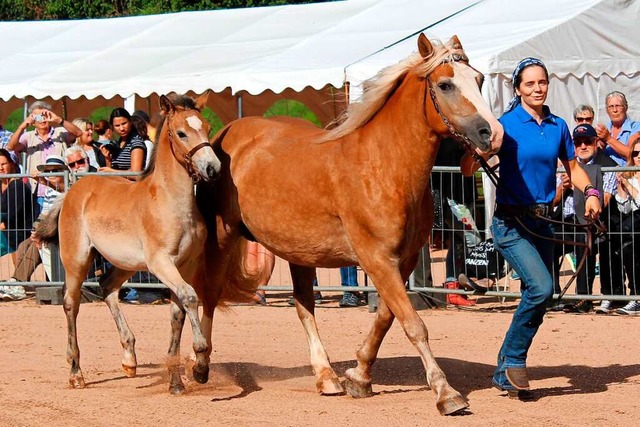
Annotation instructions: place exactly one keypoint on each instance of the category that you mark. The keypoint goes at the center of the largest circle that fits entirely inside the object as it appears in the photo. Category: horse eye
(181, 134)
(445, 86)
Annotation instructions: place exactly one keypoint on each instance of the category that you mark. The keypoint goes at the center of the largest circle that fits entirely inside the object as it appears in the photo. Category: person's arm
(137, 159)
(580, 180)
(617, 146)
(14, 141)
(73, 131)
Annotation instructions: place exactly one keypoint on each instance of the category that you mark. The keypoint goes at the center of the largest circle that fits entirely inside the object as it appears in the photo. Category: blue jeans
(532, 258)
(349, 276)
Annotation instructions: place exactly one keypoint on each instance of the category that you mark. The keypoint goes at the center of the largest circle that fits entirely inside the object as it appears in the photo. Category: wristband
(591, 192)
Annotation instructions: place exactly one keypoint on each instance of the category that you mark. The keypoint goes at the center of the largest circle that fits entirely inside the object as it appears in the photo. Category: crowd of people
(46, 142)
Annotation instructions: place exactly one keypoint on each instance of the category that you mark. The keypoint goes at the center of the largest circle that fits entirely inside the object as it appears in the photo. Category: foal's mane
(179, 101)
(379, 88)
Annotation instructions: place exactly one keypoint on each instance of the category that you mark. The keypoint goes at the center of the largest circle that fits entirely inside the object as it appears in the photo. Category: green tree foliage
(30, 10)
(292, 108)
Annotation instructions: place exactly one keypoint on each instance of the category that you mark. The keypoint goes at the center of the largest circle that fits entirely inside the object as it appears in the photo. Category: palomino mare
(357, 194)
(152, 224)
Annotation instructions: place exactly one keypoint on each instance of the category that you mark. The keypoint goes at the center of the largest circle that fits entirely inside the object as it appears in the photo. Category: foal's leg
(327, 381)
(176, 385)
(390, 286)
(166, 271)
(111, 283)
(71, 305)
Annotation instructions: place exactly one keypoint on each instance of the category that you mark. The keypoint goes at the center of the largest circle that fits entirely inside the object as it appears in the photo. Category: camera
(112, 148)
(39, 118)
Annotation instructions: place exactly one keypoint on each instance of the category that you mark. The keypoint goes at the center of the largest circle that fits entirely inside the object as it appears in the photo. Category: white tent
(590, 47)
(251, 50)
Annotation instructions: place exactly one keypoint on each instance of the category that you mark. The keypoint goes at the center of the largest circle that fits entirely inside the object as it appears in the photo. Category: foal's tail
(46, 230)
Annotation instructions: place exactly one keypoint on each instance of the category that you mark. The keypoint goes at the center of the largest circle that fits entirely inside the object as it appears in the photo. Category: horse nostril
(211, 171)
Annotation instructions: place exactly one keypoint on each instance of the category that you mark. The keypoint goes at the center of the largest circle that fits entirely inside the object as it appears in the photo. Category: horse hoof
(358, 390)
(129, 371)
(330, 387)
(201, 377)
(456, 405)
(77, 382)
(177, 389)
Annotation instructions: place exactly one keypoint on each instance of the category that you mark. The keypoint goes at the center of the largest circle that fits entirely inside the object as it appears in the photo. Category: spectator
(151, 130)
(141, 128)
(628, 199)
(461, 189)
(52, 135)
(349, 277)
(584, 114)
(592, 160)
(16, 207)
(132, 149)
(534, 140)
(615, 135)
(5, 135)
(16, 217)
(260, 261)
(95, 156)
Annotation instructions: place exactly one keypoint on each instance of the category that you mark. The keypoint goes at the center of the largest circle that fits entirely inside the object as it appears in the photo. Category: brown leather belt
(539, 209)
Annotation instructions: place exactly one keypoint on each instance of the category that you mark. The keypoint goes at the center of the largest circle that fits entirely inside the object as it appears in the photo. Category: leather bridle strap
(188, 158)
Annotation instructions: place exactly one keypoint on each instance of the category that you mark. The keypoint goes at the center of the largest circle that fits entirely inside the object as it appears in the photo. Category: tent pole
(239, 102)
(130, 103)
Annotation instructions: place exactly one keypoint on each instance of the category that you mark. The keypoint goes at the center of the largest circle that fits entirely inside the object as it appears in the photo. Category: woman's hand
(592, 207)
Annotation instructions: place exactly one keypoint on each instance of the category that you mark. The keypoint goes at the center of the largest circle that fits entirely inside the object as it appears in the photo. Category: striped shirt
(122, 161)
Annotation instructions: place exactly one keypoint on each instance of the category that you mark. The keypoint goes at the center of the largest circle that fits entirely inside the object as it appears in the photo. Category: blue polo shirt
(529, 157)
(629, 127)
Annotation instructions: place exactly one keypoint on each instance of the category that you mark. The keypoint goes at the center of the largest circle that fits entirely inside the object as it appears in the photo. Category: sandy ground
(585, 369)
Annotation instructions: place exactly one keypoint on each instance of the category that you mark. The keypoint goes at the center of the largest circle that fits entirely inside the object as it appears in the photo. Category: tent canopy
(251, 49)
(591, 47)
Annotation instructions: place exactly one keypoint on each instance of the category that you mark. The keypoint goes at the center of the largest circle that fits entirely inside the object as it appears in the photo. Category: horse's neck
(167, 172)
(402, 133)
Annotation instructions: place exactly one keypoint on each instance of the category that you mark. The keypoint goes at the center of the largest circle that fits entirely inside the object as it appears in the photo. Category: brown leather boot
(456, 299)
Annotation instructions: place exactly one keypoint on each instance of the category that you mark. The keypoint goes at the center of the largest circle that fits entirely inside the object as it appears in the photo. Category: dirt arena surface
(585, 369)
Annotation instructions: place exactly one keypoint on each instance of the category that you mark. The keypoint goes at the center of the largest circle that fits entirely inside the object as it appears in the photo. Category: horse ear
(455, 42)
(165, 105)
(424, 46)
(201, 102)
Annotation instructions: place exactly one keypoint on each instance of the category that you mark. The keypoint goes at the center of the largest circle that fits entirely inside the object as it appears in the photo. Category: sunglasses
(584, 119)
(77, 163)
(635, 153)
(579, 142)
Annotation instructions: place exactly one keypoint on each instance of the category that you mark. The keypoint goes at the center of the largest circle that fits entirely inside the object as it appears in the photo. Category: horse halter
(188, 157)
(454, 57)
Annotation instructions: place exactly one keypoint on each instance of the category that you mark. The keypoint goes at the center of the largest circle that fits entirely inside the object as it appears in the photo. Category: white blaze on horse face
(195, 123)
(465, 79)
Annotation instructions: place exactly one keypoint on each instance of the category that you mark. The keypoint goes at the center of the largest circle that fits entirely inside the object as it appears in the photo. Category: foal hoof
(176, 389)
(201, 377)
(330, 387)
(77, 382)
(129, 371)
(456, 405)
(358, 390)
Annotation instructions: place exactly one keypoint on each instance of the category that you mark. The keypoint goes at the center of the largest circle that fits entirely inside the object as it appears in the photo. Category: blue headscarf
(515, 79)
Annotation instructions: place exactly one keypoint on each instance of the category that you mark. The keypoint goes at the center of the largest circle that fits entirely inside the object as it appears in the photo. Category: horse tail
(243, 280)
(46, 230)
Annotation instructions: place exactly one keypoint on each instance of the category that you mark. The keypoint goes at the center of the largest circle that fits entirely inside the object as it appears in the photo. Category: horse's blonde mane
(378, 89)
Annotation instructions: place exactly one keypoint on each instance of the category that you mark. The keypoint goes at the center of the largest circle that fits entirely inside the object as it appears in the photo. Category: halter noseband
(188, 157)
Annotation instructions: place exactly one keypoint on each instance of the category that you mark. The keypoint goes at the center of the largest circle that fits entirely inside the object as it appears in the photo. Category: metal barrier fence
(450, 242)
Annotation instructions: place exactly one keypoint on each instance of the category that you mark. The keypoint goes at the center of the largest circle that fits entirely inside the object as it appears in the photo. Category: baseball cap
(584, 131)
